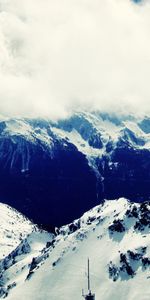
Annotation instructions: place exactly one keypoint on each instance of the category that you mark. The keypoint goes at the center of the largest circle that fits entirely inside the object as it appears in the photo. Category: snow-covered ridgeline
(89, 132)
(115, 235)
(93, 134)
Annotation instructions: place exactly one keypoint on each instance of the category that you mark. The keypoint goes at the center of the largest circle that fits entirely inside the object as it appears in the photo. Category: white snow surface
(14, 227)
(25, 133)
(20, 127)
(60, 269)
(108, 130)
(76, 139)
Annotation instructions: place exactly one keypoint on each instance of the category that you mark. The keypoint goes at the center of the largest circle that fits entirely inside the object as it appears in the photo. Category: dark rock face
(52, 189)
(145, 125)
(2, 126)
(117, 226)
(52, 181)
(129, 264)
(82, 125)
(128, 175)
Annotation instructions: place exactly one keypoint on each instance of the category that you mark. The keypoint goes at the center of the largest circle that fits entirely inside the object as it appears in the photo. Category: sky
(57, 56)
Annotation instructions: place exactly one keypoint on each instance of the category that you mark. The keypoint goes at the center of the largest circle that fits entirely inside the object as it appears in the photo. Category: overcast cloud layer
(57, 55)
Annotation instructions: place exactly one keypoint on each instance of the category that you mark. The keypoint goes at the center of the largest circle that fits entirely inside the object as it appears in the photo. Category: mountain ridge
(92, 156)
(115, 235)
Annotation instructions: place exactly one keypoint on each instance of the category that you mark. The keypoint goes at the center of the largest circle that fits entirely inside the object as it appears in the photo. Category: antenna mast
(89, 296)
(89, 289)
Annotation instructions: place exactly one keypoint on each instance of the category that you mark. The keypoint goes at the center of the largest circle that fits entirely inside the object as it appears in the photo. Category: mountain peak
(115, 235)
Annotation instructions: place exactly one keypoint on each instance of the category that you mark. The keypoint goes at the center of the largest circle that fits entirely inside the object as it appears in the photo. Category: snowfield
(114, 235)
(14, 227)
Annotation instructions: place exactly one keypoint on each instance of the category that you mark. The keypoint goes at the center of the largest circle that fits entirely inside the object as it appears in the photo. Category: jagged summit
(114, 235)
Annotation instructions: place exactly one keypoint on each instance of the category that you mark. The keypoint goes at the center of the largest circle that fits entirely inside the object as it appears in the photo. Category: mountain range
(55, 171)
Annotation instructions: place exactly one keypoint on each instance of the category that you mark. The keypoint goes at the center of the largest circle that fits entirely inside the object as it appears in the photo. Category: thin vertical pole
(89, 276)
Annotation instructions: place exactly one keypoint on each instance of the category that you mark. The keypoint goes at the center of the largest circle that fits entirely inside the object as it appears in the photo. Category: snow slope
(20, 241)
(114, 235)
(14, 227)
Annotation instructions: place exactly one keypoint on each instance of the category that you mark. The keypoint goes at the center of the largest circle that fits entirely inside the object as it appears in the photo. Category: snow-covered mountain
(14, 227)
(64, 168)
(114, 235)
(20, 241)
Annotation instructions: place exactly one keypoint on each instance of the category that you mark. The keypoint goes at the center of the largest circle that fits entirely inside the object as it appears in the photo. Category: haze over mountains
(62, 55)
(74, 149)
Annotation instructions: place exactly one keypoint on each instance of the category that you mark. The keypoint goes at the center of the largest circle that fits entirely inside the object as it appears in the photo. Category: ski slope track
(114, 235)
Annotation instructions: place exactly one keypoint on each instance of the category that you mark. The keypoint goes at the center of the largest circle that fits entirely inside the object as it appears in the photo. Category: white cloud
(56, 55)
